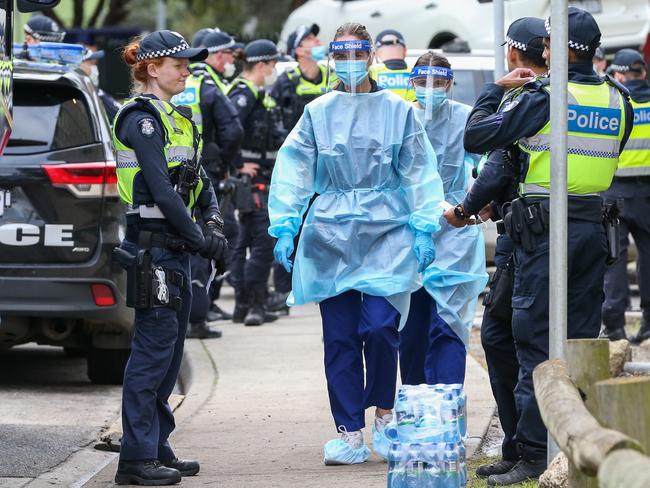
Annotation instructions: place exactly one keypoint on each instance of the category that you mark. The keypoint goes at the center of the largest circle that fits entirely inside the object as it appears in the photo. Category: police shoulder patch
(242, 101)
(147, 127)
(510, 105)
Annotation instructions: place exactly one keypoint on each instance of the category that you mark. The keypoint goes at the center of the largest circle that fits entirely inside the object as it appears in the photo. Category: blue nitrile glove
(283, 251)
(424, 251)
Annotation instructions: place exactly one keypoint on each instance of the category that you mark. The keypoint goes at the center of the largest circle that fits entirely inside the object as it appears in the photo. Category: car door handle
(375, 15)
(430, 6)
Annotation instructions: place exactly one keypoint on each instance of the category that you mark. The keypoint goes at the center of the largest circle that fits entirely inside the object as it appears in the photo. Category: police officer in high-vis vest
(263, 136)
(161, 181)
(294, 89)
(494, 186)
(218, 123)
(393, 73)
(220, 63)
(631, 188)
(600, 121)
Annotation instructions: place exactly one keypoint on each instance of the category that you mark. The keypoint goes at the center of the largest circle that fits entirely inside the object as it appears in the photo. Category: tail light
(84, 180)
(102, 295)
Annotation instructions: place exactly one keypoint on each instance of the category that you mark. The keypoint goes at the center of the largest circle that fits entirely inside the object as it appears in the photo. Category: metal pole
(161, 15)
(499, 27)
(559, 203)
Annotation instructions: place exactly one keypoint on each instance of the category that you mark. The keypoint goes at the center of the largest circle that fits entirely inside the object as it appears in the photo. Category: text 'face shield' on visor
(350, 61)
(432, 86)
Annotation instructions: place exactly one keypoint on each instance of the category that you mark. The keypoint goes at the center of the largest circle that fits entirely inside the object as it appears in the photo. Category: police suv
(60, 218)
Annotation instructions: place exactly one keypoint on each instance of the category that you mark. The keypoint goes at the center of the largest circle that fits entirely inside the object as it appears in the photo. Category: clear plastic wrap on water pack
(428, 432)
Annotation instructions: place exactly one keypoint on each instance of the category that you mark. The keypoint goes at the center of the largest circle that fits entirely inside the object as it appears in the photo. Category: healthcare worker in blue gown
(367, 234)
(436, 335)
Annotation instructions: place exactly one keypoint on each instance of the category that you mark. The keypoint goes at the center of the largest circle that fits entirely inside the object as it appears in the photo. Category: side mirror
(34, 5)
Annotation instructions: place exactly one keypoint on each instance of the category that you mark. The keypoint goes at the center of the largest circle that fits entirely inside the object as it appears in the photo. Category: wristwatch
(459, 212)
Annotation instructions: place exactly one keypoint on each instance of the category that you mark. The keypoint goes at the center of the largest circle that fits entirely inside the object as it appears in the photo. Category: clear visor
(349, 60)
(432, 87)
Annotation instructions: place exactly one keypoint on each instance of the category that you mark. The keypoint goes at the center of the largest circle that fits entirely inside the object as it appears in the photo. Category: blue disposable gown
(372, 167)
(457, 275)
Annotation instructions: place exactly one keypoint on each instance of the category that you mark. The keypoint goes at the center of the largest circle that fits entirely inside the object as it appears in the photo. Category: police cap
(584, 33)
(166, 43)
(197, 40)
(523, 31)
(261, 50)
(297, 36)
(389, 37)
(218, 41)
(627, 60)
(43, 28)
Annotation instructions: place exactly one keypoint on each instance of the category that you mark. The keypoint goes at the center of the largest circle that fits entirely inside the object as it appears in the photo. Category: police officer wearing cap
(218, 123)
(220, 64)
(631, 188)
(393, 73)
(157, 149)
(493, 187)
(263, 136)
(42, 29)
(199, 35)
(294, 89)
(526, 122)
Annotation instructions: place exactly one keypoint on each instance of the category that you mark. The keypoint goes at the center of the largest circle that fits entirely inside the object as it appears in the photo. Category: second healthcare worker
(366, 235)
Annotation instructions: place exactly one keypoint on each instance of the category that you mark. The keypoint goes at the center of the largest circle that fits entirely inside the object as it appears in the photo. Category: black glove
(215, 244)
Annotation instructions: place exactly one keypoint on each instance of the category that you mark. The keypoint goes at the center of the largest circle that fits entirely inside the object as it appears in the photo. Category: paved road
(48, 410)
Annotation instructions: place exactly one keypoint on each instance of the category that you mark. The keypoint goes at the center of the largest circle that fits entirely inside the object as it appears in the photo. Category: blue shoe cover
(337, 451)
(380, 442)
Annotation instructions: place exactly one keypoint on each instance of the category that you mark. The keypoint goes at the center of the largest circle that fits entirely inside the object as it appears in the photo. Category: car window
(49, 117)
(468, 84)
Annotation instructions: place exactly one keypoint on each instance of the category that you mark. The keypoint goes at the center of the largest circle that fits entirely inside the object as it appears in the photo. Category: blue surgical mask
(318, 53)
(430, 97)
(353, 72)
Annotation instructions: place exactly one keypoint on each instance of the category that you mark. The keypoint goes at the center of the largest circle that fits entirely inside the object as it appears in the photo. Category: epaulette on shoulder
(619, 86)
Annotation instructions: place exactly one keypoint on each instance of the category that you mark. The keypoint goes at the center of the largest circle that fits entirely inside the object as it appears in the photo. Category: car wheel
(106, 366)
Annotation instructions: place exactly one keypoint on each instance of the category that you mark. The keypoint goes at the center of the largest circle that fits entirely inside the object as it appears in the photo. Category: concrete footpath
(265, 421)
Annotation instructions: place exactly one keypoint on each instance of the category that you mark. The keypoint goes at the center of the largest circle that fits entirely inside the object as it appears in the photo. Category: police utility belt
(247, 154)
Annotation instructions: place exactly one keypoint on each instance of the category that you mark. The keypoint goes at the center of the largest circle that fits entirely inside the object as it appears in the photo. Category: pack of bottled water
(428, 432)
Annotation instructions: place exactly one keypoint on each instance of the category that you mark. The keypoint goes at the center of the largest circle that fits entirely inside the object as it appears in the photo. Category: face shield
(432, 86)
(350, 61)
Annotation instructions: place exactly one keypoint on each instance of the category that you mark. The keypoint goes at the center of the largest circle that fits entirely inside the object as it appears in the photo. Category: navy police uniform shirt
(140, 130)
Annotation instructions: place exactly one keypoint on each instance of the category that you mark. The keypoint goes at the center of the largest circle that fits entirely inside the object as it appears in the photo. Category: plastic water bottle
(429, 426)
(449, 417)
(461, 400)
(395, 466)
(451, 475)
(405, 418)
(432, 467)
(462, 465)
(414, 467)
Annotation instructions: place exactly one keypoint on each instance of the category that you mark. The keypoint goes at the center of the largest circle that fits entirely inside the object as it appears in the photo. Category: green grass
(474, 482)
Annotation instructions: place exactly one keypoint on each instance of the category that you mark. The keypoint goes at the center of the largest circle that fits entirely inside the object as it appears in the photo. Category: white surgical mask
(94, 75)
(229, 70)
(271, 79)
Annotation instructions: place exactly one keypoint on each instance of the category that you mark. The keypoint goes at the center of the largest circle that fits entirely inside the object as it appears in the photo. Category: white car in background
(432, 23)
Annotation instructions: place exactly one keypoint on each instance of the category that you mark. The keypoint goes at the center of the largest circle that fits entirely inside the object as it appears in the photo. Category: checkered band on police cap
(182, 46)
(578, 46)
(516, 44)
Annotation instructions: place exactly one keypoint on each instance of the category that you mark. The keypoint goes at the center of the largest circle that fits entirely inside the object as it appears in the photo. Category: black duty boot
(500, 467)
(186, 467)
(613, 333)
(146, 473)
(256, 312)
(241, 306)
(644, 333)
(202, 331)
(277, 302)
(217, 313)
(523, 471)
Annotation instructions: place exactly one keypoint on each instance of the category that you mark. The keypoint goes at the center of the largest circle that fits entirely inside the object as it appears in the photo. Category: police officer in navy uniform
(294, 89)
(631, 188)
(263, 136)
(220, 64)
(157, 149)
(525, 121)
(494, 186)
(218, 123)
